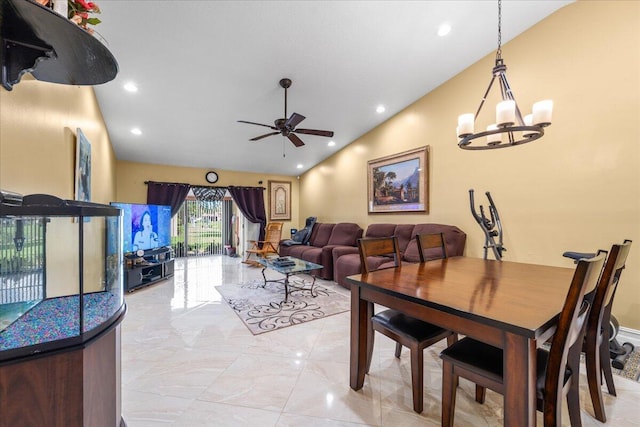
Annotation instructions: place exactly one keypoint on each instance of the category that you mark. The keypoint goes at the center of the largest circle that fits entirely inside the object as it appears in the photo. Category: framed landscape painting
(279, 200)
(399, 183)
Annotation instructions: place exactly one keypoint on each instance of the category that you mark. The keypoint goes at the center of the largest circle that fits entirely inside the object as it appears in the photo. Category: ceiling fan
(287, 127)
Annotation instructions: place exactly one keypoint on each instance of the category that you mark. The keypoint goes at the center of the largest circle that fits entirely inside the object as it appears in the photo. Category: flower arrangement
(79, 12)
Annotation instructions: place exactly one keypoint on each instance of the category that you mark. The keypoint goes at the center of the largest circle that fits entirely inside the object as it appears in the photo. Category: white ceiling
(202, 65)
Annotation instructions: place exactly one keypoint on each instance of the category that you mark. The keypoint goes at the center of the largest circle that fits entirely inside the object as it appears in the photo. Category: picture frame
(83, 168)
(399, 182)
(279, 200)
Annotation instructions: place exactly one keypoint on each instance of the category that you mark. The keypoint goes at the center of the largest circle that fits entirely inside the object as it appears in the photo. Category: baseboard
(629, 335)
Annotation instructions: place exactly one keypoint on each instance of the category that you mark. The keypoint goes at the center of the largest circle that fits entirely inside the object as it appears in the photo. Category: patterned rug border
(263, 309)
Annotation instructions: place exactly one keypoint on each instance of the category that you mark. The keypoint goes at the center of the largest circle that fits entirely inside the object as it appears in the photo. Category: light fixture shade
(510, 129)
(506, 112)
(465, 124)
(542, 112)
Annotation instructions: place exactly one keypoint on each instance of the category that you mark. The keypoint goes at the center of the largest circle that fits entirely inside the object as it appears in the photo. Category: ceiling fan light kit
(509, 120)
(287, 127)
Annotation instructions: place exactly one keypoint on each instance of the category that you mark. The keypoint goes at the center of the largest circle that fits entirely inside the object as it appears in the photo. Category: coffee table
(299, 266)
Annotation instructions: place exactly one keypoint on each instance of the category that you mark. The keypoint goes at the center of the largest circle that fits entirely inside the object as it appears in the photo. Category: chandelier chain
(499, 51)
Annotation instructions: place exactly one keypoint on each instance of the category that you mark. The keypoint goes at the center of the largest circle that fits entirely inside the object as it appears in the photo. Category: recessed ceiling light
(299, 166)
(136, 131)
(331, 143)
(130, 87)
(444, 29)
(380, 109)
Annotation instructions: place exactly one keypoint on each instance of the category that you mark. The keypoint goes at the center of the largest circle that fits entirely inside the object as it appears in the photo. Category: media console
(155, 265)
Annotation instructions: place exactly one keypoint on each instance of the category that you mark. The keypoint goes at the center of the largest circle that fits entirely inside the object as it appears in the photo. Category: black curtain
(167, 193)
(250, 201)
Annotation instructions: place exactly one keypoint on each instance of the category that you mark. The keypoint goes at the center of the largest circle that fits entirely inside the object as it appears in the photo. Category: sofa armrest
(338, 251)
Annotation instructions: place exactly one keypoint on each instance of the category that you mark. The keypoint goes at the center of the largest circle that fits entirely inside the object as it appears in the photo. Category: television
(144, 227)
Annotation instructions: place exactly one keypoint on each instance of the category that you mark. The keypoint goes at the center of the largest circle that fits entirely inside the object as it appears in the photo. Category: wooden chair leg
(605, 365)
(593, 360)
(573, 403)
(398, 349)
(448, 394)
(417, 378)
(573, 394)
(552, 412)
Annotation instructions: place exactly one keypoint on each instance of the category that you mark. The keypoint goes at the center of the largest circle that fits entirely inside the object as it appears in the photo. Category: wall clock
(211, 177)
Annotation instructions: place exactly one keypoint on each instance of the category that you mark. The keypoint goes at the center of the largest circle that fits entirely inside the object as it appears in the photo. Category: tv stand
(156, 265)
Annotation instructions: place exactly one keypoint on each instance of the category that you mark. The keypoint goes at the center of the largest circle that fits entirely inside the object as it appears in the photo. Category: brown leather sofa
(325, 238)
(346, 260)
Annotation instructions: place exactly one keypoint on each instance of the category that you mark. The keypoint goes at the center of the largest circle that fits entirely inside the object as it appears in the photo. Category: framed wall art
(279, 200)
(399, 183)
(83, 168)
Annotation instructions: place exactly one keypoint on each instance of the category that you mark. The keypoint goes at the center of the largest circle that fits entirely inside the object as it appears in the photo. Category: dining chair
(404, 330)
(557, 369)
(596, 343)
(431, 241)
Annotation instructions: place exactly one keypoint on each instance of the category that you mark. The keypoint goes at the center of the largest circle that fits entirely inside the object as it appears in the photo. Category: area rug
(631, 367)
(263, 309)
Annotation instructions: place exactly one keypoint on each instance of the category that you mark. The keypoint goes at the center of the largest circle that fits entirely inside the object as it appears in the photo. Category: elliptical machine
(492, 228)
(619, 353)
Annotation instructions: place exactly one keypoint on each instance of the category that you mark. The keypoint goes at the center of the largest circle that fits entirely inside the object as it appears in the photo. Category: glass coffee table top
(289, 266)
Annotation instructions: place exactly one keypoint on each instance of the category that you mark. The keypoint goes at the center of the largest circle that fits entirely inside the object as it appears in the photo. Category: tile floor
(188, 360)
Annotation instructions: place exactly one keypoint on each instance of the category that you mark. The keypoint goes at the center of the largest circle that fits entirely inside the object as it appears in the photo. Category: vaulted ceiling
(200, 66)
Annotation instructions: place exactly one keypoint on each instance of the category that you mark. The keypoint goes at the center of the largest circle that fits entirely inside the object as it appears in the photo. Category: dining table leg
(360, 324)
(519, 366)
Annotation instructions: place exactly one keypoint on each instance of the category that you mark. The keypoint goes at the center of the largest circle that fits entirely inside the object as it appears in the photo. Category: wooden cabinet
(75, 387)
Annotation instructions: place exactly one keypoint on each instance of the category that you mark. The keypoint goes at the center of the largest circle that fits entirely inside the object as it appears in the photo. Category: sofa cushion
(454, 238)
(404, 233)
(380, 230)
(345, 234)
(320, 234)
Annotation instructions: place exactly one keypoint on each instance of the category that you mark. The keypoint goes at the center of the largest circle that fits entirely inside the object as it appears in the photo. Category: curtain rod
(167, 183)
(199, 185)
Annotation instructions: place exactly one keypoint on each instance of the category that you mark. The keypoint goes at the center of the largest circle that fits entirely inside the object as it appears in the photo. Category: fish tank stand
(61, 305)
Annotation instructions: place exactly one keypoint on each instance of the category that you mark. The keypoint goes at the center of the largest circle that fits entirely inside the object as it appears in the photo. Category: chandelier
(510, 128)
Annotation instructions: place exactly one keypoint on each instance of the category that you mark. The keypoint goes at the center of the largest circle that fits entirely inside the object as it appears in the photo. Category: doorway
(203, 225)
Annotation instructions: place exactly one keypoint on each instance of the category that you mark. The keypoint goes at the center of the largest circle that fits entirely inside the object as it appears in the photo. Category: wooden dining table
(510, 305)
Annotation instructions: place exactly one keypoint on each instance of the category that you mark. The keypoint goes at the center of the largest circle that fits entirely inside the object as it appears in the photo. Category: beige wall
(131, 186)
(38, 123)
(577, 188)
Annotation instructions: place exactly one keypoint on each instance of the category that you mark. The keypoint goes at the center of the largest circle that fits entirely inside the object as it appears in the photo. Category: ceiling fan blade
(296, 141)
(294, 121)
(264, 136)
(327, 133)
(259, 124)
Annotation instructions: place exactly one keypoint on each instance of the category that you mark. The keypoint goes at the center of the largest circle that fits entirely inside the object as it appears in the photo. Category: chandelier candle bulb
(542, 112)
(528, 121)
(506, 112)
(495, 138)
(465, 124)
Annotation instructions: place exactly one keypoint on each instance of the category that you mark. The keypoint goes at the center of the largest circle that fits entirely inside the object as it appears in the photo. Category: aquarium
(61, 278)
